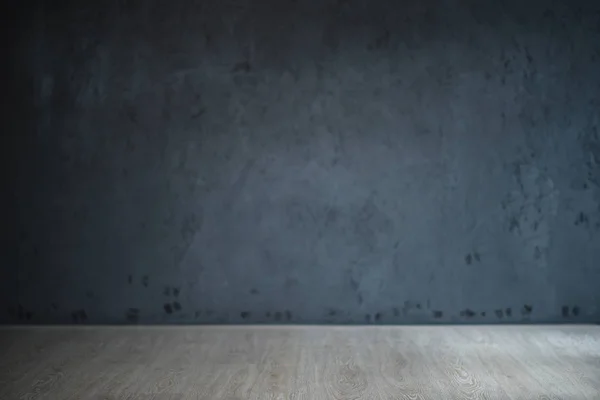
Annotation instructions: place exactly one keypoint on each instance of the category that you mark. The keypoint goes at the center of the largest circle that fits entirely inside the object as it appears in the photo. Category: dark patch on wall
(277, 316)
(79, 316)
(409, 306)
(526, 310)
(23, 314)
(508, 312)
(483, 314)
(254, 292)
(130, 279)
(537, 253)
(499, 313)
(514, 225)
(381, 42)
(176, 306)
(288, 315)
(437, 314)
(244, 314)
(145, 281)
(565, 311)
(368, 318)
(575, 311)
(582, 219)
(176, 292)
(167, 291)
(468, 313)
(242, 66)
(132, 315)
(168, 308)
(377, 317)
(472, 257)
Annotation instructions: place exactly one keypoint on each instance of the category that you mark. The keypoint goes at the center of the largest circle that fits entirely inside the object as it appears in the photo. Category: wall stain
(23, 314)
(437, 314)
(582, 219)
(508, 312)
(467, 313)
(145, 281)
(408, 307)
(472, 257)
(245, 314)
(575, 311)
(526, 310)
(242, 66)
(499, 313)
(168, 308)
(167, 291)
(79, 316)
(396, 312)
(288, 315)
(132, 315)
(537, 253)
(483, 313)
(254, 292)
(514, 225)
(381, 42)
(176, 292)
(176, 306)
(378, 317)
(130, 279)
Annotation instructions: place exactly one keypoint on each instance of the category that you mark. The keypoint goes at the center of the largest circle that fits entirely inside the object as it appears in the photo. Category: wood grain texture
(251, 362)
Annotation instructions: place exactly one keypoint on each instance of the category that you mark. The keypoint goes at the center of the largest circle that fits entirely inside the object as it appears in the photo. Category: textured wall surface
(306, 162)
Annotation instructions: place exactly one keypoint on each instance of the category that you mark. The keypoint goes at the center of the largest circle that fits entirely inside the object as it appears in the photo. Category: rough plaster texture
(308, 162)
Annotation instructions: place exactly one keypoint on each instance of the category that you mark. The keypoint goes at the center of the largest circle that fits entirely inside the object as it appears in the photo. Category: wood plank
(300, 362)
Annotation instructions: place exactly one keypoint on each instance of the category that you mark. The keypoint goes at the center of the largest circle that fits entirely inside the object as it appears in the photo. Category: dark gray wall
(304, 162)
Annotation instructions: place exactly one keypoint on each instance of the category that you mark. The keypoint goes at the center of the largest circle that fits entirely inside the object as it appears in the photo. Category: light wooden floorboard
(300, 362)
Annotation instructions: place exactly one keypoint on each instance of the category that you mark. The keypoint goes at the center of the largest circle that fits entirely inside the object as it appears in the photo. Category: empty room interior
(301, 199)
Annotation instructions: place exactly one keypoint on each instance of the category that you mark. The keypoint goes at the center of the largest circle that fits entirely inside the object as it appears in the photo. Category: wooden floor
(463, 362)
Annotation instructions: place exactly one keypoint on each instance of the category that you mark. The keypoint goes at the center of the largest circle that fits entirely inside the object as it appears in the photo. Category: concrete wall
(306, 162)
